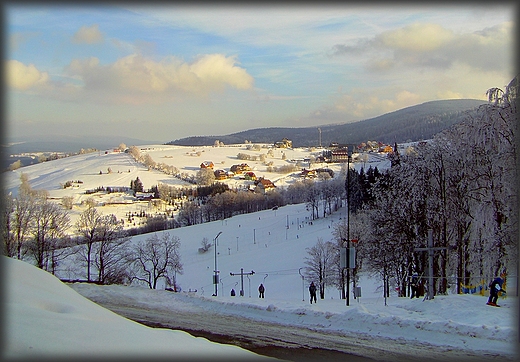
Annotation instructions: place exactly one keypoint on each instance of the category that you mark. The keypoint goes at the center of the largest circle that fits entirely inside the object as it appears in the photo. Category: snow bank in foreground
(462, 321)
(46, 318)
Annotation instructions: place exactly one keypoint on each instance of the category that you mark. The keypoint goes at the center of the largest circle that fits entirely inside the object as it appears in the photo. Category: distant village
(335, 153)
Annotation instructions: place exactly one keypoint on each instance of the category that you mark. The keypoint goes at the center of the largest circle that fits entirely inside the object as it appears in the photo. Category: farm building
(207, 164)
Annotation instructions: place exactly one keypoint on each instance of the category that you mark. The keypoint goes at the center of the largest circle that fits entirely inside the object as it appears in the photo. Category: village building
(264, 185)
(336, 155)
(207, 164)
(285, 143)
(250, 176)
(386, 149)
(307, 173)
(144, 196)
(220, 175)
(238, 169)
(327, 170)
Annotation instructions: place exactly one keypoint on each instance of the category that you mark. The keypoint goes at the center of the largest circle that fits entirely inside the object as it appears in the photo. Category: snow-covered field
(259, 242)
(92, 172)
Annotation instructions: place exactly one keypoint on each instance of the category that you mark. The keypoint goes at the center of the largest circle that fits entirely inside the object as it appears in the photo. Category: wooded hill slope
(408, 124)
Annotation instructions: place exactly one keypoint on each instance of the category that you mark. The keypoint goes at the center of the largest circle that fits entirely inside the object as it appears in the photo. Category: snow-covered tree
(135, 152)
(205, 177)
(148, 161)
(462, 186)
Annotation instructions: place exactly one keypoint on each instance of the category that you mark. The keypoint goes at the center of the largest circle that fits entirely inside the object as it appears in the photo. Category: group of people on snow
(495, 287)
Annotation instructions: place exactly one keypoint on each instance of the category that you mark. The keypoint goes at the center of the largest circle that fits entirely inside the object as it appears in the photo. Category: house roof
(206, 164)
(266, 183)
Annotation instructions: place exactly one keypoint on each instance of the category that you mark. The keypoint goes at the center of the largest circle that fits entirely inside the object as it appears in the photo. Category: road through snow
(289, 342)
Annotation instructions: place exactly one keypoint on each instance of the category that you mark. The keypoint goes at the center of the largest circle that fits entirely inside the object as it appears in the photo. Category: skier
(312, 291)
(261, 290)
(415, 285)
(233, 292)
(494, 287)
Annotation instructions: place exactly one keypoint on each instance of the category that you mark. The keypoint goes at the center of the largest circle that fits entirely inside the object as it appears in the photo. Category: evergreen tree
(136, 185)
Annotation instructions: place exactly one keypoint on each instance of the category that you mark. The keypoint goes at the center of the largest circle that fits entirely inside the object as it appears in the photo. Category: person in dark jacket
(415, 285)
(261, 290)
(312, 291)
(494, 288)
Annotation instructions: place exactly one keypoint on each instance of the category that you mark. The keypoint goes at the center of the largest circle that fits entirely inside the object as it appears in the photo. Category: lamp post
(215, 277)
(303, 284)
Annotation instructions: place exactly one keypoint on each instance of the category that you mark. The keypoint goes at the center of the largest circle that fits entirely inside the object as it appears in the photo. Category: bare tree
(157, 258)
(8, 242)
(190, 213)
(320, 264)
(312, 196)
(49, 223)
(88, 226)
(67, 202)
(19, 211)
(111, 254)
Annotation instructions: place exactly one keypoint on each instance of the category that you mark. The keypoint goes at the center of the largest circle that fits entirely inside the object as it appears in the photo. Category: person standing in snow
(261, 290)
(494, 287)
(415, 285)
(312, 291)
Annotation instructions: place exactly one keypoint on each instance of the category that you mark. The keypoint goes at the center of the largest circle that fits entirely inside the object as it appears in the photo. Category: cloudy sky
(164, 72)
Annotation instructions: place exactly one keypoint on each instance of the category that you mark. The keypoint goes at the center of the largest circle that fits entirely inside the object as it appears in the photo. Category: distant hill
(414, 123)
(67, 143)
(59, 143)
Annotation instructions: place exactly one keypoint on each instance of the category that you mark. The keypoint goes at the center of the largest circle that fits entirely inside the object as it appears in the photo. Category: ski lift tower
(430, 249)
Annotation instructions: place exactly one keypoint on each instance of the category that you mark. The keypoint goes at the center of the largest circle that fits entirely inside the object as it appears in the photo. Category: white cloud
(88, 35)
(432, 46)
(415, 37)
(24, 77)
(217, 69)
(136, 77)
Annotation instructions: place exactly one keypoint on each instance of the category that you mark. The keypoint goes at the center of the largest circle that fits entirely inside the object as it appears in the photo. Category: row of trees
(461, 186)
(216, 202)
(39, 231)
(323, 260)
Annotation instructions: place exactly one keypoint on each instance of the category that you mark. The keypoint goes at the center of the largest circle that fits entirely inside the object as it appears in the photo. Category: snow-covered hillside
(451, 322)
(91, 170)
(272, 243)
